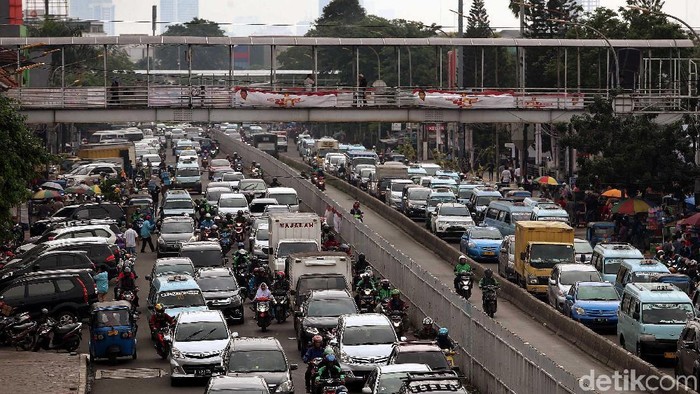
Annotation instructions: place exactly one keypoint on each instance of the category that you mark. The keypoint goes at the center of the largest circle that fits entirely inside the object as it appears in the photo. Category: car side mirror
(569, 297)
(148, 278)
(293, 367)
(552, 282)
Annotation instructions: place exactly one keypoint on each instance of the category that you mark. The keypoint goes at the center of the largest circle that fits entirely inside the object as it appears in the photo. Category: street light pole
(460, 51)
(607, 41)
(379, 64)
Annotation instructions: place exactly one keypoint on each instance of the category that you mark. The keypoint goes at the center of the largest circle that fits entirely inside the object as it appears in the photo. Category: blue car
(594, 304)
(481, 243)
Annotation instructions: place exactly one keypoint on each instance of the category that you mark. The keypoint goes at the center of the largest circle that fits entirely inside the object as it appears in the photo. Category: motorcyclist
(214, 231)
(126, 281)
(241, 256)
(384, 289)
(361, 264)
(356, 212)
(428, 331)
(275, 183)
(262, 294)
(160, 319)
(315, 351)
(443, 339)
(329, 370)
(488, 279)
(240, 219)
(259, 277)
(462, 266)
(396, 304)
(341, 171)
(367, 281)
(280, 283)
(207, 222)
(331, 242)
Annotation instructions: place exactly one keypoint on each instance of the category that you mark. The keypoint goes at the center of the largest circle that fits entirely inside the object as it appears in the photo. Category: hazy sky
(298, 13)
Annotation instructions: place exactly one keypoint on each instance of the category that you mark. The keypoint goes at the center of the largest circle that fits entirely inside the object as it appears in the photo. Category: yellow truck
(117, 150)
(539, 246)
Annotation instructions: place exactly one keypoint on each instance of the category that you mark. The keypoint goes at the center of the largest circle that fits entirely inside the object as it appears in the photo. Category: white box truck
(292, 233)
(318, 271)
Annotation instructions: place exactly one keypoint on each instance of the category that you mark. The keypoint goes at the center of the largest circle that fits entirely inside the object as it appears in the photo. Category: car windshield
(435, 200)
(64, 212)
(219, 163)
(583, 247)
(176, 228)
(398, 186)
(645, 276)
(331, 308)
(420, 195)
(287, 248)
(549, 255)
(368, 335)
(365, 173)
(174, 269)
(518, 216)
(235, 202)
(391, 382)
(263, 234)
(181, 298)
(435, 360)
(259, 207)
(597, 293)
(485, 233)
(667, 313)
(612, 265)
(571, 277)
(485, 200)
(201, 331)
(251, 185)
(188, 172)
(217, 283)
(213, 195)
(111, 318)
(257, 361)
(320, 283)
(465, 193)
(285, 199)
(364, 160)
(178, 204)
(203, 258)
(454, 211)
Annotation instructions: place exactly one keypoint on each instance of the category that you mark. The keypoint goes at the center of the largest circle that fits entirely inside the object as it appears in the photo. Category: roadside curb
(84, 373)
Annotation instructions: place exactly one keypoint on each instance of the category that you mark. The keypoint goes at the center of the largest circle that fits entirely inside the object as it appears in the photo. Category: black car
(49, 261)
(688, 352)
(174, 231)
(221, 291)
(87, 211)
(203, 254)
(319, 314)
(67, 294)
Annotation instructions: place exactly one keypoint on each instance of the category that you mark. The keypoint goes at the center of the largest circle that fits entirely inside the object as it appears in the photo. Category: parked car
(86, 211)
(49, 261)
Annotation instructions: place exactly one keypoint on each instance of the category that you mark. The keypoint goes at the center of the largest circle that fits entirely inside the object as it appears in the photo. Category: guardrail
(223, 97)
(494, 359)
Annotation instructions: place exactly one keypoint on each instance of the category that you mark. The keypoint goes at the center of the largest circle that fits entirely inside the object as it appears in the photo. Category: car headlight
(284, 387)
(580, 311)
(471, 245)
(532, 280)
(175, 353)
(311, 330)
(226, 300)
(161, 241)
(7, 275)
(257, 247)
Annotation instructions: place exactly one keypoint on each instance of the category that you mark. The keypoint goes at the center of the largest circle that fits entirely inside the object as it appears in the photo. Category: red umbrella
(693, 220)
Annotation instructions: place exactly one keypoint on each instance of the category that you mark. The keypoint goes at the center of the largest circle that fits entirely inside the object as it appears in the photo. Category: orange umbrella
(614, 193)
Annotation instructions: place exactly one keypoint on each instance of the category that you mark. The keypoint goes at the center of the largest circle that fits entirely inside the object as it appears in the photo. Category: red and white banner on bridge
(244, 97)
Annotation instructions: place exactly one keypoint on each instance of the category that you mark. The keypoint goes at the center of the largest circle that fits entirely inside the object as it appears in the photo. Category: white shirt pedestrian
(505, 176)
(130, 237)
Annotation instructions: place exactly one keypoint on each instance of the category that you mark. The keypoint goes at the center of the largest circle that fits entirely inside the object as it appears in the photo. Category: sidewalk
(43, 372)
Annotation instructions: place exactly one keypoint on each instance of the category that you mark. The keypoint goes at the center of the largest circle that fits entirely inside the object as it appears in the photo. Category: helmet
(239, 213)
(208, 216)
(328, 351)
(127, 270)
(488, 273)
(344, 248)
(462, 258)
(443, 331)
(274, 179)
(280, 275)
(214, 227)
(330, 358)
(427, 321)
(395, 292)
(660, 253)
(241, 245)
(317, 339)
(341, 389)
(385, 283)
(356, 204)
(159, 308)
(361, 257)
(44, 311)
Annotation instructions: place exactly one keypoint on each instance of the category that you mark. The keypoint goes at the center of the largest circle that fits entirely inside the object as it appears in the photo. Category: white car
(198, 344)
(213, 194)
(566, 275)
(108, 231)
(451, 219)
(232, 203)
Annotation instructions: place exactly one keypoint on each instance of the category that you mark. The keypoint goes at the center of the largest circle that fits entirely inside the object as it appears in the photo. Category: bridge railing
(224, 97)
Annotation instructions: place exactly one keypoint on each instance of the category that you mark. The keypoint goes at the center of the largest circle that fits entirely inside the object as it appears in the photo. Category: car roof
(365, 319)
(618, 249)
(569, 267)
(281, 190)
(67, 229)
(200, 245)
(264, 201)
(200, 316)
(173, 261)
(178, 219)
(408, 367)
(56, 243)
(231, 195)
(417, 346)
(451, 204)
(214, 272)
(218, 188)
(657, 292)
(238, 383)
(645, 265)
(175, 282)
(328, 294)
(256, 343)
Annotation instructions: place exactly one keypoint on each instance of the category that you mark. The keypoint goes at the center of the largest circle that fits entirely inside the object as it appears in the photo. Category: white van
(285, 196)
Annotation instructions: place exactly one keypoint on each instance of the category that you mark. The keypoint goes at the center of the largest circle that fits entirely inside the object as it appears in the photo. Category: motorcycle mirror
(403, 339)
(293, 367)
(366, 390)
(234, 334)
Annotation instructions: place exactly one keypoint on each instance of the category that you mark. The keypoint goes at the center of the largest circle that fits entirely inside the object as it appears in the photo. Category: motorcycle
(239, 232)
(327, 386)
(128, 295)
(321, 183)
(225, 242)
(280, 301)
(161, 341)
(464, 284)
(52, 336)
(397, 318)
(367, 300)
(262, 313)
(18, 331)
(490, 299)
(256, 173)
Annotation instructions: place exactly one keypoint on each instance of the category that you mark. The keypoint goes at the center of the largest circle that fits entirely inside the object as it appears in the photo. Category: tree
(23, 154)
(631, 152)
(478, 24)
(175, 57)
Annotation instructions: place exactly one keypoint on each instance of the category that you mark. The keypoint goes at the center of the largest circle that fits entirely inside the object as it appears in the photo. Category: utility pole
(460, 51)
(521, 80)
(154, 17)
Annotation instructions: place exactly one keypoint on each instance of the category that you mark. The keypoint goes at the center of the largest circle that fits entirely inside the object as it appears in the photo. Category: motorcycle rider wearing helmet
(361, 264)
(241, 256)
(443, 339)
(462, 266)
(356, 212)
(488, 279)
(428, 331)
(366, 280)
(126, 281)
(240, 219)
(331, 242)
(315, 351)
(396, 304)
(281, 283)
(207, 222)
(160, 319)
(214, 231)
(275, 183)
(384, 290)
(329, 370)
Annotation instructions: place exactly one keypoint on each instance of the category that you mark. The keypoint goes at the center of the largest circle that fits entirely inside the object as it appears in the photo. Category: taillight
(85, 292)
(51, 238)
(127, 334)
(109, 258)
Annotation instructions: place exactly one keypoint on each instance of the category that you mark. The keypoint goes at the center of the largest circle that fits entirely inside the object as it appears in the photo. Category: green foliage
(630, 151)
(478, 24)
(174, 57)
(23, 155)
(407, 150)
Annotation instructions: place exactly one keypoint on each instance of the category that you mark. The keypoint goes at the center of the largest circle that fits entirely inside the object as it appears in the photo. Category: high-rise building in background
(177, 11)
(97, 10)
(589, 5)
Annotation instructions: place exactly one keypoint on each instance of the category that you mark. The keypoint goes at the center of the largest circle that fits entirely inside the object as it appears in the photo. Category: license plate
(489, 253)
(669, 354)
(202, 372)
(601, 320)
(112, 333)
